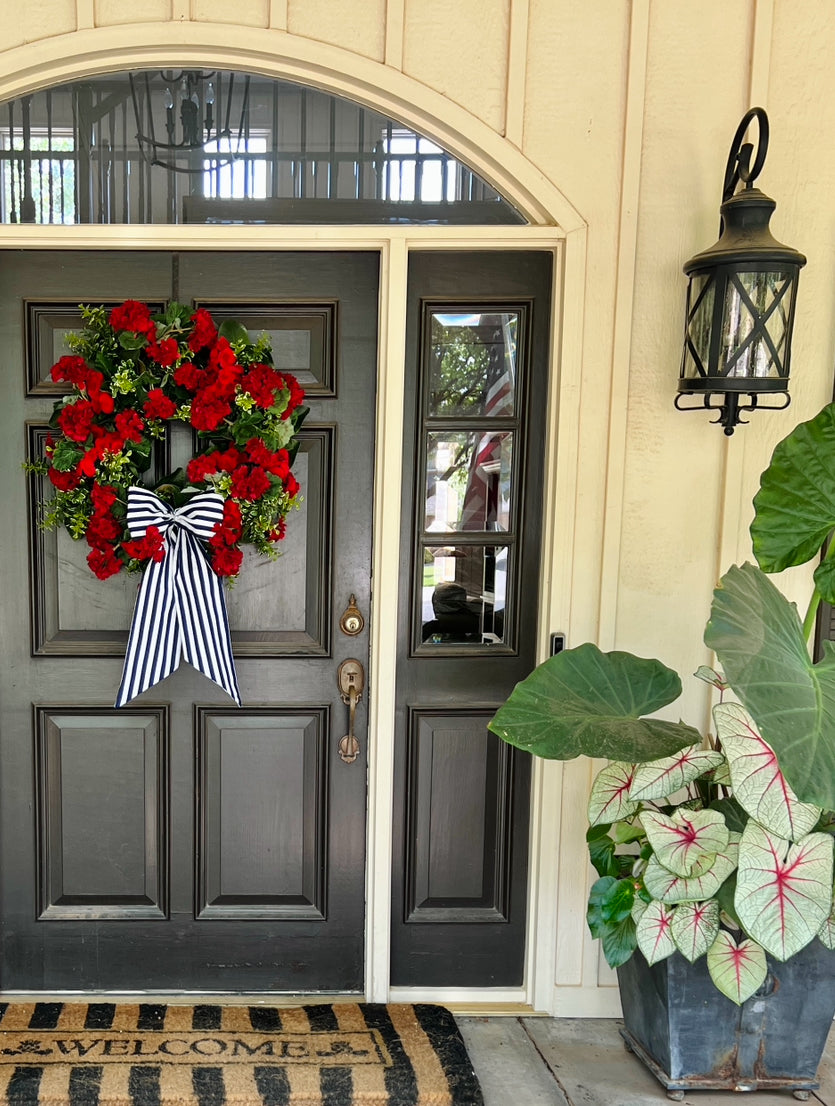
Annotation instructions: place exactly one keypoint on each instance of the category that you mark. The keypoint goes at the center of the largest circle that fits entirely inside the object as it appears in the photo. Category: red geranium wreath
(132, 372)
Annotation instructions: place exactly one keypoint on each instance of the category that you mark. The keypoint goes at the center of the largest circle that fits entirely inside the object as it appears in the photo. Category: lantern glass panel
(701, 296)
(754, 325)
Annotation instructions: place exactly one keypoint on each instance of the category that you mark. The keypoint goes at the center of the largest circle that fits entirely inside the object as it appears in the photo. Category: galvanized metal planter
(693, 1038)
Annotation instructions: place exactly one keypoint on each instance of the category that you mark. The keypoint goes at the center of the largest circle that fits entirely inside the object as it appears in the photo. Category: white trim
(395, 25)
(585, 1002)
(278, 15)
(385, 581)
(517, 72)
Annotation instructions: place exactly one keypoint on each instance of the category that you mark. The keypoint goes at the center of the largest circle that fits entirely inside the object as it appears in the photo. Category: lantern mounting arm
(730, 407)
(739, 167)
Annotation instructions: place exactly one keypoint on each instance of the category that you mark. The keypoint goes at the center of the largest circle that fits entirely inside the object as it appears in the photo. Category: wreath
(133, 372)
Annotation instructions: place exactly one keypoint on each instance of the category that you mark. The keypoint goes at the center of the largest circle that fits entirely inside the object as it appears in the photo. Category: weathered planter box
(693, 1038)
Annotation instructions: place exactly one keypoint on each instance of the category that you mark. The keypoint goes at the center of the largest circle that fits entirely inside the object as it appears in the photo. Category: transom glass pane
(463, 594)
(473, 363)
(198, 146)
(468, 480)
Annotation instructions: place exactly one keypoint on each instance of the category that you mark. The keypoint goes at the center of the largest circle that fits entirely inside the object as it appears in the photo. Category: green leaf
(736, 970)
(653, 933)
(694, 927)
(783, 890)
(795, 505)
(607, 898)
(585, 701)
(712, 677)
(759, 785)
(736, 819)
(130, 341)
(609, 799)
(825, 579)
(758, 637)
(826, 933)
(686, 839)
(233, 331)
(661, 778)
(602, 851)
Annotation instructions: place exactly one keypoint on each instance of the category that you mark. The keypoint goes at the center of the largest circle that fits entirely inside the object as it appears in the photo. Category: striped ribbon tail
(181, 606)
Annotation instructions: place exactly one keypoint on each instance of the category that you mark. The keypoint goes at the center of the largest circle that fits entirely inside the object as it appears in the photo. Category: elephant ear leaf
(795, 505)
(584, 701)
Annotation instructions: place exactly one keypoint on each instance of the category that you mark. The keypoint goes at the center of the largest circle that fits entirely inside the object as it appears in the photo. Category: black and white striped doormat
(151, 1054)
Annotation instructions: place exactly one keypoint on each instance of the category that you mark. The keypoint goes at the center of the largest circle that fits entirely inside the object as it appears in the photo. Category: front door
(181, 842)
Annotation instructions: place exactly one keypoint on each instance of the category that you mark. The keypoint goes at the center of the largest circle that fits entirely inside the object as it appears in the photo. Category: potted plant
(715, 854)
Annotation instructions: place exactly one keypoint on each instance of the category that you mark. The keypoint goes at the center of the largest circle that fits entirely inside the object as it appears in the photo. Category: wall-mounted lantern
(741, 298)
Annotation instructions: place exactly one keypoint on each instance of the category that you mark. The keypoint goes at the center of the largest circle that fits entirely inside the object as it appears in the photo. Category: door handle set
(350, 679)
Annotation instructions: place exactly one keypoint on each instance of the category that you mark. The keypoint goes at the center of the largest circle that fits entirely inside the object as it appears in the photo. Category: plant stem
(815, 601)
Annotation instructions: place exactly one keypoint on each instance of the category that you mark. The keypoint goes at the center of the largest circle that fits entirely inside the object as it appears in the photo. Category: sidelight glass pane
(463, 595)
(473, 359)
(468, 480)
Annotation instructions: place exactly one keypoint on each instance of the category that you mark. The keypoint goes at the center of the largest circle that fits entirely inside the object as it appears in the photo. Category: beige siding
(110, 12)
(359, 27)
(256, 13)
(460, 50)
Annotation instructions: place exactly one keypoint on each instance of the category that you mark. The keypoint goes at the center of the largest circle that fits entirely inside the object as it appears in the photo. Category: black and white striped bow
(181, 606)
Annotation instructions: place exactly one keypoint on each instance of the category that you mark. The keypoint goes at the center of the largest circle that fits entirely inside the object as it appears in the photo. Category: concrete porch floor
(583, 1062)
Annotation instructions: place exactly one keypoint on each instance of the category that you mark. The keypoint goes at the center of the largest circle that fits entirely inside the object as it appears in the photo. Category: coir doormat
(351, 1054)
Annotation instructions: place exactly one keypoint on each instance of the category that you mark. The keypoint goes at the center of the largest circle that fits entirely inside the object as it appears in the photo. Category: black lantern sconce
(741, 298)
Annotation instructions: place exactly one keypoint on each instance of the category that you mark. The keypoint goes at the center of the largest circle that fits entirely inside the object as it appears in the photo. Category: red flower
(102, 530)
(276, 463)
(204, 332)
(130, 426)
(64, 481)
(228, 532)
(103, 496)
(158, 405)
(72, 369)
(76, 420)
(296, 393)
(188, 376)
(208, 414)
(291, 485)
(133, 316)
(280, 530)
(262, 382)
(249, 483)
(104, 562)
(226, 560)
(151, 547)
(165, 353)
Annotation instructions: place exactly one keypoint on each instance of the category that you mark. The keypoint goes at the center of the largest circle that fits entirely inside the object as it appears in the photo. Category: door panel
(477, 370)
(180, 842)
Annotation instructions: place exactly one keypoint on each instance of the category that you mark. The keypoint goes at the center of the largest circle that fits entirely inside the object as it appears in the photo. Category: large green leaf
(609, 918)
(758, 637)
(783, 890)
(736, 970)
(583, 701)
(759, 786)
(795, 506)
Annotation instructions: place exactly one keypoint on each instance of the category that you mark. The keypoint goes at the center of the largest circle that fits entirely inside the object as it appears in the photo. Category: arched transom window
(214, 146)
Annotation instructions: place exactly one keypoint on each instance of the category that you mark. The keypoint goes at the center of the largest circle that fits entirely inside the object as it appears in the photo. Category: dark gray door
(477, 370)
(181, 842)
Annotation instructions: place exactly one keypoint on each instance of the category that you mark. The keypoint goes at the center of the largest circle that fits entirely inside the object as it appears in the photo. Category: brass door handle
(350, 679)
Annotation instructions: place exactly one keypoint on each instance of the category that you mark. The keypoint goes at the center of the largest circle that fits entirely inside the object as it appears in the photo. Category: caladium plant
(719, 846)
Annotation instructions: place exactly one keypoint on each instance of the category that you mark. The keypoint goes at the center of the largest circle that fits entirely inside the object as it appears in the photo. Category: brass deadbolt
(351, 622)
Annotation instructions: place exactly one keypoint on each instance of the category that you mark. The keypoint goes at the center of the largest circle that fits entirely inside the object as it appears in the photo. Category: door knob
(350, 679)
(351, 622)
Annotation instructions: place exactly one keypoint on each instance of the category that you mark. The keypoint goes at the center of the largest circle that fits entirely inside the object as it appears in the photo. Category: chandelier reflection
(205, 115)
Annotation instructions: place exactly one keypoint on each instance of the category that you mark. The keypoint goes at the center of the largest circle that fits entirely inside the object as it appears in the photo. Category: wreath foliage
(131, 373)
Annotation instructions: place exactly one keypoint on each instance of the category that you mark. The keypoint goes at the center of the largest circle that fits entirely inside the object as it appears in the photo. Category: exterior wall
(616, 118)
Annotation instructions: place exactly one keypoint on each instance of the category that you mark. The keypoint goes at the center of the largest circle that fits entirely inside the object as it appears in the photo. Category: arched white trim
(280, 55)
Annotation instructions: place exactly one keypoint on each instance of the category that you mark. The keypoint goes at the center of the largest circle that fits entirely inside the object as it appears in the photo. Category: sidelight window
(467, 524)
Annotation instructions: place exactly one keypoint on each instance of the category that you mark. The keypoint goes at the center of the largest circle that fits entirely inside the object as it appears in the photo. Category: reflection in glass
(468, 480)
(472, 368)
(463, 595)
(757, 291)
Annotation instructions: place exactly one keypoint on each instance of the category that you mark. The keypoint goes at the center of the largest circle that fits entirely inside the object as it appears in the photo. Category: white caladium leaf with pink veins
(654, 933)
(783, 890)
(826, 933)
(659, 778)
(683, 841)
(759, 786)
(609, 800)
(736, 970)
(708, 876)
(695, 925)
